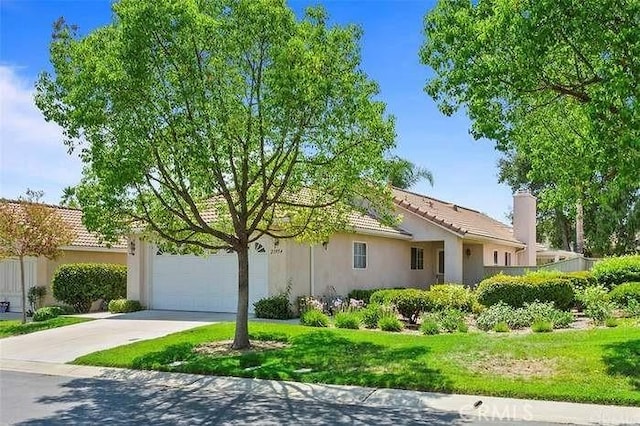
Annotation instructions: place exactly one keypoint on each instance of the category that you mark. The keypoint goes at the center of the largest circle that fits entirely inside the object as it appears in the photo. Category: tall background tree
(28, 228)
(212, 123)
(555, 84)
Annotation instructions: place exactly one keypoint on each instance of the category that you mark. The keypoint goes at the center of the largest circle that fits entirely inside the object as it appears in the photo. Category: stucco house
(434, 242)
(86, 248)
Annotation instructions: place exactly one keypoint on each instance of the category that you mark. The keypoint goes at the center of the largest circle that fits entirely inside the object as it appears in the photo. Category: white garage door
(199, 283)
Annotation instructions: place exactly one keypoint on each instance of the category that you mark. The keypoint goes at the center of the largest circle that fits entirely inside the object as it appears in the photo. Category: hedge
(119, 306)
(363, 294)
(81, 284)
(613, 271)
(274, 307)
(47, 313)
(624, 293)
(515, 291)
(451, 296)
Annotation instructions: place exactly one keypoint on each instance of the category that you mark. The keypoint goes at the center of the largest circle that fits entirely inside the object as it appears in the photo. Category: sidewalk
(491, 408)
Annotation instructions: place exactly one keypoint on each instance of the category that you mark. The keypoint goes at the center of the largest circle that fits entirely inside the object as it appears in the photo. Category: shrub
(80, 284)
(633, 308)
(411, 303)
(66, 309)
(35, 295)
(542, 326)
(314, 318)
(430, 325)
(450, 321)
(275, 307)
(119, 306)
(580, 279)
(611, 322)
(307, 303)
(347, 320)
(613, 271)
(518, 290)
(44, 314)
(501, 327)
(371, 314)
(390, 323)
(624, 293)
(451, 296)
(597, 305)
(384, 296)
(502, 313)
(545, 312)
(363, 294)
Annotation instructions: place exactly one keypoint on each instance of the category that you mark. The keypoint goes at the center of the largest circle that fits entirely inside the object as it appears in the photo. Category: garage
(205, 283)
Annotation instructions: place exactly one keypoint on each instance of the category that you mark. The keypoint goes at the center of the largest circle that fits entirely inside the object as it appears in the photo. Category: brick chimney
(524, 226)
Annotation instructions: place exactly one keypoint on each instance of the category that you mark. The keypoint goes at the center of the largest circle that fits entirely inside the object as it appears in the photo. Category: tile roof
(367, 222)
(458, 219)
(84, 238)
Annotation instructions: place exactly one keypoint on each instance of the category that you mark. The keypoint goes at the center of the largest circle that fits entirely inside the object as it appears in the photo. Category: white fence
(10, 289)
(568, 265)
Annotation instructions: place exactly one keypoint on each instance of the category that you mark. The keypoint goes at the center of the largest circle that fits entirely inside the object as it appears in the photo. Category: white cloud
(32, 154)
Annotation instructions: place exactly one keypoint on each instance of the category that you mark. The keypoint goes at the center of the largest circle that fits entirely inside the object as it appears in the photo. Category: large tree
(557, 82)
(208, 124)
(29, 228)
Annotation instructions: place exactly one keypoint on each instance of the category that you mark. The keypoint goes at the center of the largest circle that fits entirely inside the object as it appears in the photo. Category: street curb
(467, 406)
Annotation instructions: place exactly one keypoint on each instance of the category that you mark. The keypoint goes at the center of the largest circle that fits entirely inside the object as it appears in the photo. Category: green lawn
(14, 328)
(599, 365)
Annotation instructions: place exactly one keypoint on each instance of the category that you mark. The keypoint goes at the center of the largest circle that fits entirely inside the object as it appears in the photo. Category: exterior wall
(502, 249)
(46, 268)
(472, 264)
(524, 226)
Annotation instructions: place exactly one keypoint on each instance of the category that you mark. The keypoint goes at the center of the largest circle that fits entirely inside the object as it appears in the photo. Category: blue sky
(33, 156)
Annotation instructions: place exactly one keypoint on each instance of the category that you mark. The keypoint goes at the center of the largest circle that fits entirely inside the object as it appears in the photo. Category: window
(440, 262)
(359, 255)
(507, 259)
(259, 248)
(417, 258)
(495, 257)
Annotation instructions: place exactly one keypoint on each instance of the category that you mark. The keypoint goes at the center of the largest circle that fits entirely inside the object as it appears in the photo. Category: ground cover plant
(595, 365)
(14, 328)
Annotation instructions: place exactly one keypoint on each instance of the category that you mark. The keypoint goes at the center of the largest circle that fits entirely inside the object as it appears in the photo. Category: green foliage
(80, 284)
(47, 313)
(35, 295)
(623, 294)
(501, 327)
(404, 174)
(430, 325)
(410, 303)
(502, 313)
(371, 314)
(275, 307)
(542, 326)
(118, 306)
(363, 294)
(611, 322)
(546, 312)
(532, 77)
(314, 318)
(451, 296)
(597, 304)
(384, 296)
(518, 290)
(633, 308)
(613, 271)
(580, 279)
(350, 320)
(390, 322)
(66, 309)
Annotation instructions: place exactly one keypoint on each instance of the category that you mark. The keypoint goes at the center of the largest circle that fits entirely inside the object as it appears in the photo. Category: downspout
(312, 270)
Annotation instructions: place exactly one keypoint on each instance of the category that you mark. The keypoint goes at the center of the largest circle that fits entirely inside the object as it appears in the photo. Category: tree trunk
(24, 291)
(241, 339)
(579, 227)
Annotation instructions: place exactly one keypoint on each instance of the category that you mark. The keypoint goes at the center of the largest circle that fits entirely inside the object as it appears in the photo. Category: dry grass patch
(223, 347)
(508, 366)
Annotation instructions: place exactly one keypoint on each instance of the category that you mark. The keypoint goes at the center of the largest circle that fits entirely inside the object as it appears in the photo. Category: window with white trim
(359, 255)
(417, 258)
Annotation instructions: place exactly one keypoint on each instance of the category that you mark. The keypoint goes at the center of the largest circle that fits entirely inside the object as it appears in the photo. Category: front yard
(14, 327)
(597, 365)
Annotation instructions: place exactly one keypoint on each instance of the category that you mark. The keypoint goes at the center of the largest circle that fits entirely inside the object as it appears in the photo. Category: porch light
(132, 248)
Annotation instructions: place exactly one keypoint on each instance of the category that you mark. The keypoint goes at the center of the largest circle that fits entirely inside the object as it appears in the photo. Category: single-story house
(85, 248)
(434, 242)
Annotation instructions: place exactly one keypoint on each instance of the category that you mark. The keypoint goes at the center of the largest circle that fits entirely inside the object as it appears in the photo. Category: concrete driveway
(64, 344)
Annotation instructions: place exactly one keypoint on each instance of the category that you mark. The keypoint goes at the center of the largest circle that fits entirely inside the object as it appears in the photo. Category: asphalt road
(37, 399)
